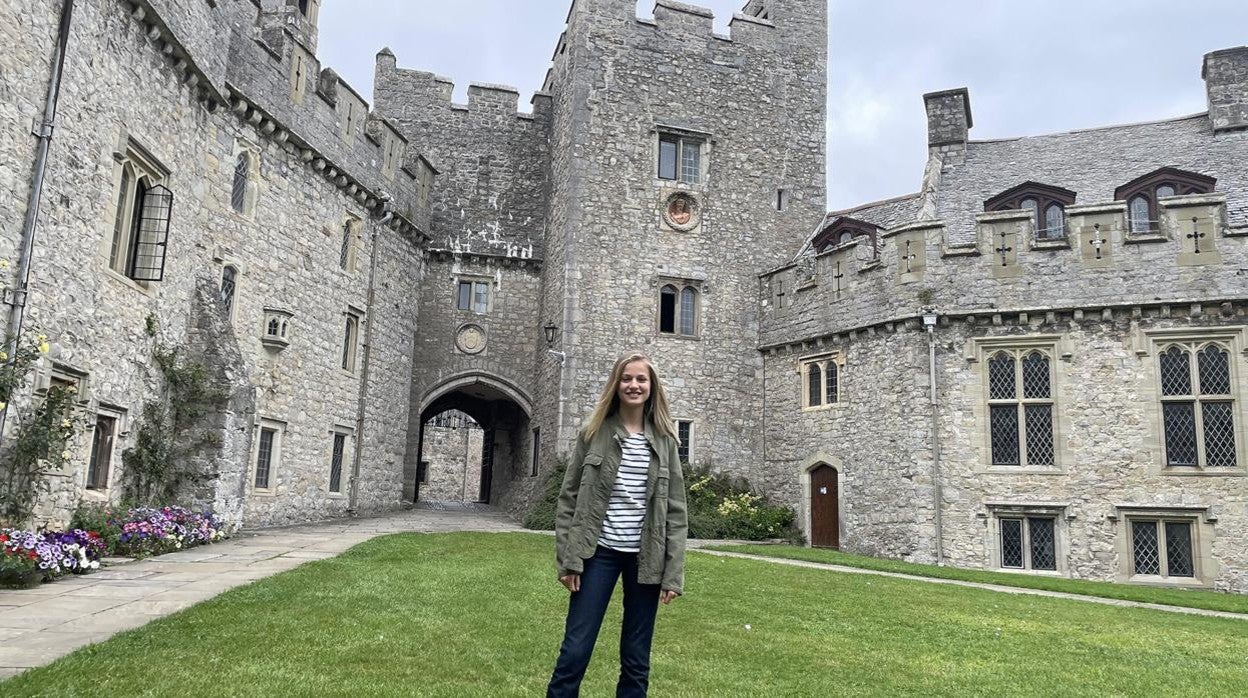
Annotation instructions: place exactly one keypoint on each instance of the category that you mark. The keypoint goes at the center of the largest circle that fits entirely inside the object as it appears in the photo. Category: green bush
(722, 506)
(97, 518)
(542, 516)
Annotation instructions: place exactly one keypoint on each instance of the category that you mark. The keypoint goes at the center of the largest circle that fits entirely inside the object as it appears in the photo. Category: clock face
(470, 339)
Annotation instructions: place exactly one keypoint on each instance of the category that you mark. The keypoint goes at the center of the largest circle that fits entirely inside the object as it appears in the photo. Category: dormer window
(1046, 204)
(844, 230)
(1143, 193)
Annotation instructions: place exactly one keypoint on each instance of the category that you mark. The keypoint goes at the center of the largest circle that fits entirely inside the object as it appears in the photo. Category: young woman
(621, 514)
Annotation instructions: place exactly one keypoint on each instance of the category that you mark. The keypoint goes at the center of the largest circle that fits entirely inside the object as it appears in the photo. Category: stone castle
(1038, 362)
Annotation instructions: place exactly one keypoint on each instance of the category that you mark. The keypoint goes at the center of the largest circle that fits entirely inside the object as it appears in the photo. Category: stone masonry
(351, 273)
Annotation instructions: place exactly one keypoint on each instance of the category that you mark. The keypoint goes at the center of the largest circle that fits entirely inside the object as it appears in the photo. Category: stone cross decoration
(836, 279)
(1002, 250)
(1097, 240)
(1195, 236)
(908, 256)
(779, 294)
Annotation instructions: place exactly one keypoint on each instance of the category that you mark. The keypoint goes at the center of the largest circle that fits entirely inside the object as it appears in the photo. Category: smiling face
(634, 386)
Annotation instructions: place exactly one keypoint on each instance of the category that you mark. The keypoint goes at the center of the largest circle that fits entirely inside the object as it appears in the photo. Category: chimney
(1226, 81)
(948, 117)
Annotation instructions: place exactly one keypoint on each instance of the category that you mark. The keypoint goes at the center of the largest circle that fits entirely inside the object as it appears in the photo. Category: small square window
(680, 159)
(474, 296)
(1029, 543)
(1162, 547)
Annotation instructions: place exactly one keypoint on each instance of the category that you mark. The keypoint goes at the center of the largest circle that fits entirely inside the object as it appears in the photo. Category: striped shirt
(621, 527)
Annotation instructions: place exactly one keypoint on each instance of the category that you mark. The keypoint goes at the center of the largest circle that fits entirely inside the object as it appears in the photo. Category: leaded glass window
(264, 457)
(1029, 542)
(242, 176)
(1197, 405)
(678, 310)
(684, 429)
(823, 381)
(1139, 214)
(1020, 408)
(814, 385)
(1162, 547)
(680, 159)
(344, 252)
(1054, 223)
(229, 282)
(335, 462)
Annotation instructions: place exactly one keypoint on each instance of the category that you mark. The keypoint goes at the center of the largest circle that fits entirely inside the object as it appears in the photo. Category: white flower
(95, 564)
(65, 423)
(65, 455)
(747, 626)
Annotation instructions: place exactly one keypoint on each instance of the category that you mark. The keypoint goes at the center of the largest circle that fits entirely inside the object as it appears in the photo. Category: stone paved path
(39, 625)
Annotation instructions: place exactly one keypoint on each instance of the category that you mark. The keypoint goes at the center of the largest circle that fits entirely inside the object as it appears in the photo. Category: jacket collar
(617, 429)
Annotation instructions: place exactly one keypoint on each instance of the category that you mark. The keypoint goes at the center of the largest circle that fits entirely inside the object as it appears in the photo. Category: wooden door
(825, 527)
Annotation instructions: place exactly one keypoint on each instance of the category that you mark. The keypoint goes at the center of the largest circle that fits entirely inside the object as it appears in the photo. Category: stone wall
(616, 83)
(122, 90)
(453, 463)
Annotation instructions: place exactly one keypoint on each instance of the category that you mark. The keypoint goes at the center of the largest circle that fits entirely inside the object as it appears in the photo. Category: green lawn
(481, 615)
(1190, 598)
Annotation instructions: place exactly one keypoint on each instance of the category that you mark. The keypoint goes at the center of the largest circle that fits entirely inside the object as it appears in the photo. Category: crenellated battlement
(1009, 267)
(422, 89)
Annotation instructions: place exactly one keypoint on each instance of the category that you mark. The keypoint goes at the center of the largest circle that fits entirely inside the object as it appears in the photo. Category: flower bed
(29, 558)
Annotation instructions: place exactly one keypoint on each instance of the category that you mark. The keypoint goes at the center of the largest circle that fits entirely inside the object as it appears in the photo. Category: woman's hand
(571, 581)
(667, 596)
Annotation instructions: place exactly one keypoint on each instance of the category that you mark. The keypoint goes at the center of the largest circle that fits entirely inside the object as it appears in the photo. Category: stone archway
(502, 410)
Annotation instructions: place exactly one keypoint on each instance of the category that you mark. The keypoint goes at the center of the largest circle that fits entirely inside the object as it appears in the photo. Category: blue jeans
(585, 611)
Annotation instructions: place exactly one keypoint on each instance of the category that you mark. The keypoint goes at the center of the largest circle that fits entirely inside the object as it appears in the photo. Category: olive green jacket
(587, 490)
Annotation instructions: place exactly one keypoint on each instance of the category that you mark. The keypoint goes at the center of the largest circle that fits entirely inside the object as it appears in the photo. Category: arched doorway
(825, 511)
(496, 438)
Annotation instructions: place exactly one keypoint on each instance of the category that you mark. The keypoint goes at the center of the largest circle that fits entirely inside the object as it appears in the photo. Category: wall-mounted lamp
(929, 319)
(550, 329)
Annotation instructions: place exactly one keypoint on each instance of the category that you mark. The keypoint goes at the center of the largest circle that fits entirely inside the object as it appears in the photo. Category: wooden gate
(825, 527)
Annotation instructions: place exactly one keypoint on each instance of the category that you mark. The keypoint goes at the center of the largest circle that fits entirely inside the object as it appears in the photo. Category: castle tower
(299, 16)
(684, 163)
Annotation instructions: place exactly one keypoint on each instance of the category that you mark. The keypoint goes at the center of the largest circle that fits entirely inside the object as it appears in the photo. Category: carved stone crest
(470, 339)
(682, 211)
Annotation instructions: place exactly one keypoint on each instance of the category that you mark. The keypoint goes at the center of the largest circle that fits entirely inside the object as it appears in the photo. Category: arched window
(832, 383)
(1143, 195)
(1139, 214)
(688, 311)
(842, 230)
(678, 309)
(274, 328)
(1020, 408)
(229, 281)
(1035, 198)
(242, 176)
(667, 309)
(814, 385)
(1197, 405)
(1054, 223)
(846, 236)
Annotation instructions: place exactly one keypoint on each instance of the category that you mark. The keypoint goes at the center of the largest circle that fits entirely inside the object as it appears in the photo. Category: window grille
(264, 457)
(335, 463)
(344, 252)
(1020, 408)
(814, 385)
(148, 254)
(1162, 547)
(1012, 543)
(1043, 543)
(683, 430)
(1197, 406)
(229, 280)
(242, 173)
(688, 313)
(680, 159)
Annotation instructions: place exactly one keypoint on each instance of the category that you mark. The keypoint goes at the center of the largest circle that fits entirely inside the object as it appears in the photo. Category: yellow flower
(44, 347)
(65, 423)
(4, 264)
(4, 356)
(3, 405)
(41, 338)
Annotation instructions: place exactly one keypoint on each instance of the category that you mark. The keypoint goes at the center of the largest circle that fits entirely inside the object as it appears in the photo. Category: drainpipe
(358, 456)
(929, 321)
(43, 133)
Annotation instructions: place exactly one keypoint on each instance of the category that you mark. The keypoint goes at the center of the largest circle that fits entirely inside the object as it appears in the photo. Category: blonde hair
(655, 410)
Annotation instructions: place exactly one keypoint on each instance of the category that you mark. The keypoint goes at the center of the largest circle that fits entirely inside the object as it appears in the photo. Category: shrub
(542, 516)
(94, 517)
(722, 506)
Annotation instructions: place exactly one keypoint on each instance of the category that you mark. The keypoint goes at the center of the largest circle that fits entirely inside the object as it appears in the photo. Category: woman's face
(634, 388)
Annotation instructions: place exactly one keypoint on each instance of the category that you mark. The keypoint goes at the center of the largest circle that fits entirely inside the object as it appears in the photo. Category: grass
(1169, 596)
(481, 615)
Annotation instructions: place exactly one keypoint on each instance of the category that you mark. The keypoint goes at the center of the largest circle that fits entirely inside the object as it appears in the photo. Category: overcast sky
(1032, 68)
